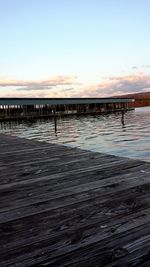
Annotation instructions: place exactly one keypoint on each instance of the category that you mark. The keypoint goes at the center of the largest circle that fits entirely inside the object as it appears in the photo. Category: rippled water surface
(96, 133)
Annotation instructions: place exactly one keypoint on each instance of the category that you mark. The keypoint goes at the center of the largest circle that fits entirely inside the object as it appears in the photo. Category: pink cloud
(66, 86)
(118, 86)
(42, 84)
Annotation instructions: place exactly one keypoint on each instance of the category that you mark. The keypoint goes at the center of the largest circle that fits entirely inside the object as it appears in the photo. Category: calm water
(96, 133)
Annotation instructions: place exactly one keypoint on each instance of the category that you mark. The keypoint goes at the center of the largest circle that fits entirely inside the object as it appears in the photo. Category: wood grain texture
(62, 207)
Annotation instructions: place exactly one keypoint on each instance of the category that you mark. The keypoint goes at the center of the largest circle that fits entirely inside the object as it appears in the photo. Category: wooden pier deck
(65, 207)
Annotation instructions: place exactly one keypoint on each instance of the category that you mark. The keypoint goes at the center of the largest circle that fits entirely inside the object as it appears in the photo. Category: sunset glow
(74, 48)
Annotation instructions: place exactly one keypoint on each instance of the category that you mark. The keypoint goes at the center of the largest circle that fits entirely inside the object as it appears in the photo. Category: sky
(74, 48)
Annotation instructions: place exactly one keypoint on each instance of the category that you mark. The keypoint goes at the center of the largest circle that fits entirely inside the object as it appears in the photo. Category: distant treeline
(142, 102)
(141, 99)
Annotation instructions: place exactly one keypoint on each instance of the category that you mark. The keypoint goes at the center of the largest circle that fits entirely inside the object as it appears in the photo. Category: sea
(109, 133)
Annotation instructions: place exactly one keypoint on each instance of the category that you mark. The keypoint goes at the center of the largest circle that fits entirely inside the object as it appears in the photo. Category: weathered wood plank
(63, 206)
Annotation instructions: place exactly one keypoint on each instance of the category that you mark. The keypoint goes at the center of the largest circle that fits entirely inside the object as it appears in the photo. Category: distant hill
(142, 99)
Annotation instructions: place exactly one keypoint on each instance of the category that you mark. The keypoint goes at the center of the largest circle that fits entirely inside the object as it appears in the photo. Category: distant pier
(62, 206)
(26, 108)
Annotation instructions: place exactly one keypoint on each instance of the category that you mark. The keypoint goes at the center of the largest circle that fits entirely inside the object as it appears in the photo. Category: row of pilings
(37, 111)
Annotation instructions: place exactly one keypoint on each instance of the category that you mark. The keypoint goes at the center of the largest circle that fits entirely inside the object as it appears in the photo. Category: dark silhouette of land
(142, 99)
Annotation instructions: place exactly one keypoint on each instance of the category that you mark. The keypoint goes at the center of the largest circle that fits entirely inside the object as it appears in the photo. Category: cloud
(58, 86)
(67, 89)
(40, 84)
(66, 86)
(40, 88)
(118, 86)
(134, 67)
(23, 94)
(146, 66)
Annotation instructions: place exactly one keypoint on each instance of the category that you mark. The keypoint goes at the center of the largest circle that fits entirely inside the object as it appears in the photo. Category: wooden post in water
(55, 119)
(8, 111)
(5, 111)
(122, 118)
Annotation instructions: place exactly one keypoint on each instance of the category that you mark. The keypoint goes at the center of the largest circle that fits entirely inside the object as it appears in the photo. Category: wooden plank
(63, 206)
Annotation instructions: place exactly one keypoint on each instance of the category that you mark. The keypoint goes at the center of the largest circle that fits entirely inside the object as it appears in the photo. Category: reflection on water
(107, 133)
